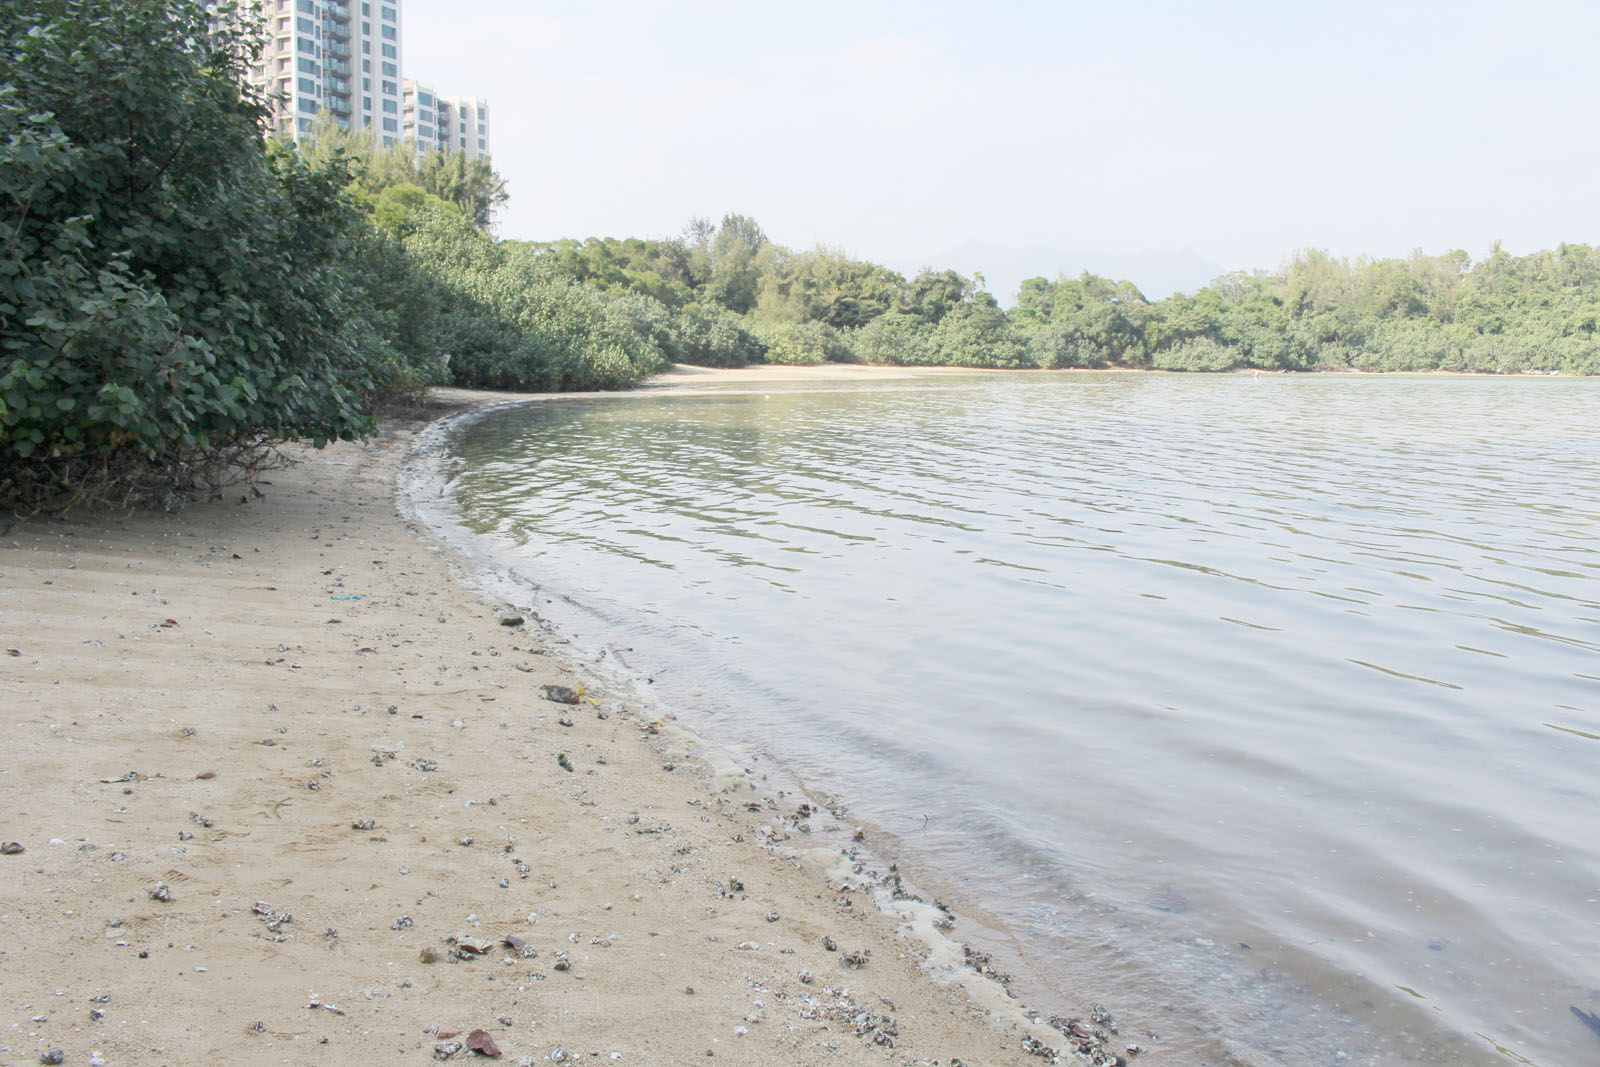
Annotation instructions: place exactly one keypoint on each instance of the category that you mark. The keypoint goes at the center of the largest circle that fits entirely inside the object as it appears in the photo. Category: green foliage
(1539, 313)
(827, 287)
(712, 336)
(509, 322)
(977, 334)
(657, 269)
(905, 340)
(797, 343)
(470, 184)
(1197, 353)
(169, 287)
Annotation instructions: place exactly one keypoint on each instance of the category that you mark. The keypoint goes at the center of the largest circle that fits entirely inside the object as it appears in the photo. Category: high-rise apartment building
(342, 57)
(444, 123)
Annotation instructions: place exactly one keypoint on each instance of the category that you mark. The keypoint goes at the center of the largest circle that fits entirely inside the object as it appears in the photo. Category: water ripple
(1309, 655)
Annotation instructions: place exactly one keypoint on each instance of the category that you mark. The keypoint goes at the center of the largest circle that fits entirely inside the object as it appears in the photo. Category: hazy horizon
(890, 129)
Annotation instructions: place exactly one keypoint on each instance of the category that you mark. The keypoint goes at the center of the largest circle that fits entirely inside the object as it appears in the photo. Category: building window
(366, 66)
(366, 120)
(366, 85)
(306, 45)
(388, 12)
(366, 9)
(308, 66)
(482, 144)
(366, 29)
(391, 125)
(482, 129)
(307, 6)
(391, 107)
(388, 33)
(390, 52)
(366, 103)
(425, 98)
(308, 105)
(390, 88)
(391, 71)
(303, 25)
(308, 86)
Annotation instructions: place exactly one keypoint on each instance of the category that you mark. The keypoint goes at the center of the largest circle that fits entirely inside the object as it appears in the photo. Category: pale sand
(209, 659)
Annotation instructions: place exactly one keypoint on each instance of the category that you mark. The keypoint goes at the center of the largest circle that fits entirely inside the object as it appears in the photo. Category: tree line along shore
(178, 291)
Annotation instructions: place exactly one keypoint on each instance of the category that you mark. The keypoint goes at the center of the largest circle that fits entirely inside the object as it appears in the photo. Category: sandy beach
(288, 791)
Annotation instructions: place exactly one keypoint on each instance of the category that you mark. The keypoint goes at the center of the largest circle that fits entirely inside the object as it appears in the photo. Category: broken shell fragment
(561, 694)
(480, 1042)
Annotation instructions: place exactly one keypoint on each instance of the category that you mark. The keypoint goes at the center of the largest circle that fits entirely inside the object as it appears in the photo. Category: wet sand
(269, 757)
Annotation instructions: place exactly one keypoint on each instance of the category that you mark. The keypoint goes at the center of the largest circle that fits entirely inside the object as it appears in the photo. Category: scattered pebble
(161, 893)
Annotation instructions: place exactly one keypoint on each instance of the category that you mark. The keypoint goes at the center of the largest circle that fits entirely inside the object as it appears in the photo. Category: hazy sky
(895, 129)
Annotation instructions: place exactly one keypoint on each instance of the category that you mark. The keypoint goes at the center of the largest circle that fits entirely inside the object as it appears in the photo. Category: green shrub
(169, 287)
(711, 336)
(1197, 354)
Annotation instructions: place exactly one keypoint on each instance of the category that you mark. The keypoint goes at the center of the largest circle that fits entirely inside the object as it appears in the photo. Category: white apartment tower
(444, 123)
(342, 57)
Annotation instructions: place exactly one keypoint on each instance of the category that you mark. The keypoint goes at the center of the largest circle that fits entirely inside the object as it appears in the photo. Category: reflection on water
(1262, 710)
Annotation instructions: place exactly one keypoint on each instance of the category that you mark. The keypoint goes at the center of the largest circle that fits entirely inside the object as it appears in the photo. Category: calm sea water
(1266, 712)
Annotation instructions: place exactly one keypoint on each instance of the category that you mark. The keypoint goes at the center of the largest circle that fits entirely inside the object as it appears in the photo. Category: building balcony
(339, 105)
(336, 31)
(338, 49)
(336, 10)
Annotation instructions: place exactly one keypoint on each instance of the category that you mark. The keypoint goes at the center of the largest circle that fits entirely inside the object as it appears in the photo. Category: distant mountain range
(1157, 273)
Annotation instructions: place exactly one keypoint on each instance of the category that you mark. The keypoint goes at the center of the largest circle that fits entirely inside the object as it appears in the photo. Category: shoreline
(272, 756)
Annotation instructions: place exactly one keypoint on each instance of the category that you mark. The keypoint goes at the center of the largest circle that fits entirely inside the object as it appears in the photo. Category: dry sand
(293, 715)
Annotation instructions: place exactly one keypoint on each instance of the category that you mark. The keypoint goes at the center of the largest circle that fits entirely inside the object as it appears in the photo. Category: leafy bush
(1197, 354)
(976, 334)
(169, 286)
(905, 340)
(1059, 344)
(799, 343)
(508, 322)
(712, 336)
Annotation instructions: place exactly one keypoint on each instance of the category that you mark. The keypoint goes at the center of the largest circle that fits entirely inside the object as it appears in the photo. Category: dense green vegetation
(178, 293)
(1504, 314)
